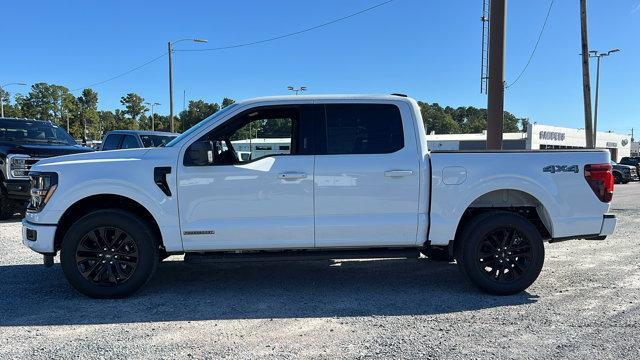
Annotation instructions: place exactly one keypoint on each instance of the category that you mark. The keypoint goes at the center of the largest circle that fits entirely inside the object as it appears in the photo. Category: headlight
(43, 185)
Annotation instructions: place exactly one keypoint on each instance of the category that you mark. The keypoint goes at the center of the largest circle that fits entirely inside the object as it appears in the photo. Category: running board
(301, 255)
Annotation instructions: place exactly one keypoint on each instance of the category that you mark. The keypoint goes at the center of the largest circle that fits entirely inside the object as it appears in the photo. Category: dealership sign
(552, 135)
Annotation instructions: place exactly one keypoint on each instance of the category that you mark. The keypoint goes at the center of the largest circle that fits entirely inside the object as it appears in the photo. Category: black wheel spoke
(107, 256)
(504, 254)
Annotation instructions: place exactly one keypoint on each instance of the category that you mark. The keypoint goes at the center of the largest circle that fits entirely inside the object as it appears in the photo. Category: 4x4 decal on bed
(561, 168)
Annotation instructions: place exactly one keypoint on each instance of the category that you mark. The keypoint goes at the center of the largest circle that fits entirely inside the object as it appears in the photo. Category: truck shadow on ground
(34, 295)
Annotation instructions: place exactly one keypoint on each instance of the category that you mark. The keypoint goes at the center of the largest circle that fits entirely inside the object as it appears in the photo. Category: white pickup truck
(356, 181)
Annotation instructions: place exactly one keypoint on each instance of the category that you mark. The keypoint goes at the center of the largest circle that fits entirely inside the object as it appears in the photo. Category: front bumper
(38, 237)
(608, 224)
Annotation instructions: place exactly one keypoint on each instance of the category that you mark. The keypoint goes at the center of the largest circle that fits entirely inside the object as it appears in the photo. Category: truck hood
(44, 150)
(91, 158)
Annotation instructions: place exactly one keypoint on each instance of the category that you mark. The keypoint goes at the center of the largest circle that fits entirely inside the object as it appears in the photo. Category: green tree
(436, 119)
(226, 102)
(49, 102)
(9, 109)
(88, 114)
(196, 112)
(134, 106)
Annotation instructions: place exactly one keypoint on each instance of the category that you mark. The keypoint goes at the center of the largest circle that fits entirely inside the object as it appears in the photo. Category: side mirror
(200, 153)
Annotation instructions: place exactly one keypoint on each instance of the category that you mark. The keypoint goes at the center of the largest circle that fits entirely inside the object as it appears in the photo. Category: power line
(239, 45)
(122, 74)
(534, 48)
(293, 33)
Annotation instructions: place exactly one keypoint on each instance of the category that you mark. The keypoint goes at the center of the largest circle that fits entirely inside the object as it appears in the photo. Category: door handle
(292, 176)
(398, 173)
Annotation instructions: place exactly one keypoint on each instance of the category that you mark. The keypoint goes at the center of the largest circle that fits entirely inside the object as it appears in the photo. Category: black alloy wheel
(107, 256)
(504, 255)
(109, 253)
(500, 252)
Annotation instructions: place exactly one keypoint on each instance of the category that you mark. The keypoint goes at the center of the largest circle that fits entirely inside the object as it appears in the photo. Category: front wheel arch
(106, 201)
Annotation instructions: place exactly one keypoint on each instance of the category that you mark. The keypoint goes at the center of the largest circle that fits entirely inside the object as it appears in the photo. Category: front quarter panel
(127, 173)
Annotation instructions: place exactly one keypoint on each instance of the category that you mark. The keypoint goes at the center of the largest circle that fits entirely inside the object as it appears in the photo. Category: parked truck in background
(24, 142)
(357, 181)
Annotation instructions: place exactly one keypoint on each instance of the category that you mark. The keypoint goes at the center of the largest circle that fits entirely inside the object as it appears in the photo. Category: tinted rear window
(111, 142)
(363, 129)
(130, 142)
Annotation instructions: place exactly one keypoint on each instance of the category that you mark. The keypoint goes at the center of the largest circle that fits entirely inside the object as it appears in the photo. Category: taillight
(600, 178)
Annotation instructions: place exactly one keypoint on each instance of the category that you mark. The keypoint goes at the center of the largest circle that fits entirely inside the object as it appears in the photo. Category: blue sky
(429, 49)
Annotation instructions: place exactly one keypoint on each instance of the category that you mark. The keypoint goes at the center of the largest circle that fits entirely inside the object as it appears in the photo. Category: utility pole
(586, 80)
(495, 97)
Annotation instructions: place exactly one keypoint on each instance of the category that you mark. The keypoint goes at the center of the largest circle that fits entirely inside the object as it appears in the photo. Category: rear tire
(501, 253)
(109, 254)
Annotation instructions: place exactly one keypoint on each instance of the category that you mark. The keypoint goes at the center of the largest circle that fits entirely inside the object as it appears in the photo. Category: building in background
(537, 137)
(635, 148)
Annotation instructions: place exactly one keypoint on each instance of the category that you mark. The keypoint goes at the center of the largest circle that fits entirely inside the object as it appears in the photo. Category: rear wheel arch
(102, 202)
(509, 200)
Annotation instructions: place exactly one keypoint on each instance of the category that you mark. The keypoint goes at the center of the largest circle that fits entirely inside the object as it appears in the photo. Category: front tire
(109, 254)
(501, 253)
(617, 178)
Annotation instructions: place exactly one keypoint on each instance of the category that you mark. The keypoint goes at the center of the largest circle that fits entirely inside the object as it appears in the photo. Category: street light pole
(170, 51)
(153, 124)
(598, 55)
(170, 89)
(2, 91)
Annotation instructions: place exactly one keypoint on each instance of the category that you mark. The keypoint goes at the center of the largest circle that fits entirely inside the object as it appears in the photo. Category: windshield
(36, 132)
(197, 126)
(156, 140)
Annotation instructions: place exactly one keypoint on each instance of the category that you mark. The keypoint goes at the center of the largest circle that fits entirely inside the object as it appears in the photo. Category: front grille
(18, 166)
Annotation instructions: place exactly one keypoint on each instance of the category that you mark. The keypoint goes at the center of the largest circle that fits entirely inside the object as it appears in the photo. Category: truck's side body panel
(570, 205)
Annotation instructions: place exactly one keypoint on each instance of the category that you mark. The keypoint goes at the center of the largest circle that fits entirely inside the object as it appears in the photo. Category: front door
(254, 190)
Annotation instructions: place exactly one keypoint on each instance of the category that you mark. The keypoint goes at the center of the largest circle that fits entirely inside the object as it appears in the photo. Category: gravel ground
(585, 304)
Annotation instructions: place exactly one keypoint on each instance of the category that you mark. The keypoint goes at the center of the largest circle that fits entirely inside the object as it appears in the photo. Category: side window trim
(312, 111)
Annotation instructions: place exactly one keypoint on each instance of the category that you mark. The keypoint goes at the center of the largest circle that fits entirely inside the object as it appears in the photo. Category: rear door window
(130, 142)
(362, 129)
(112, 142)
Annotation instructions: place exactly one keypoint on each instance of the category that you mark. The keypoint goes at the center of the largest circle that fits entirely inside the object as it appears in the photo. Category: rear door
(366, 176)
